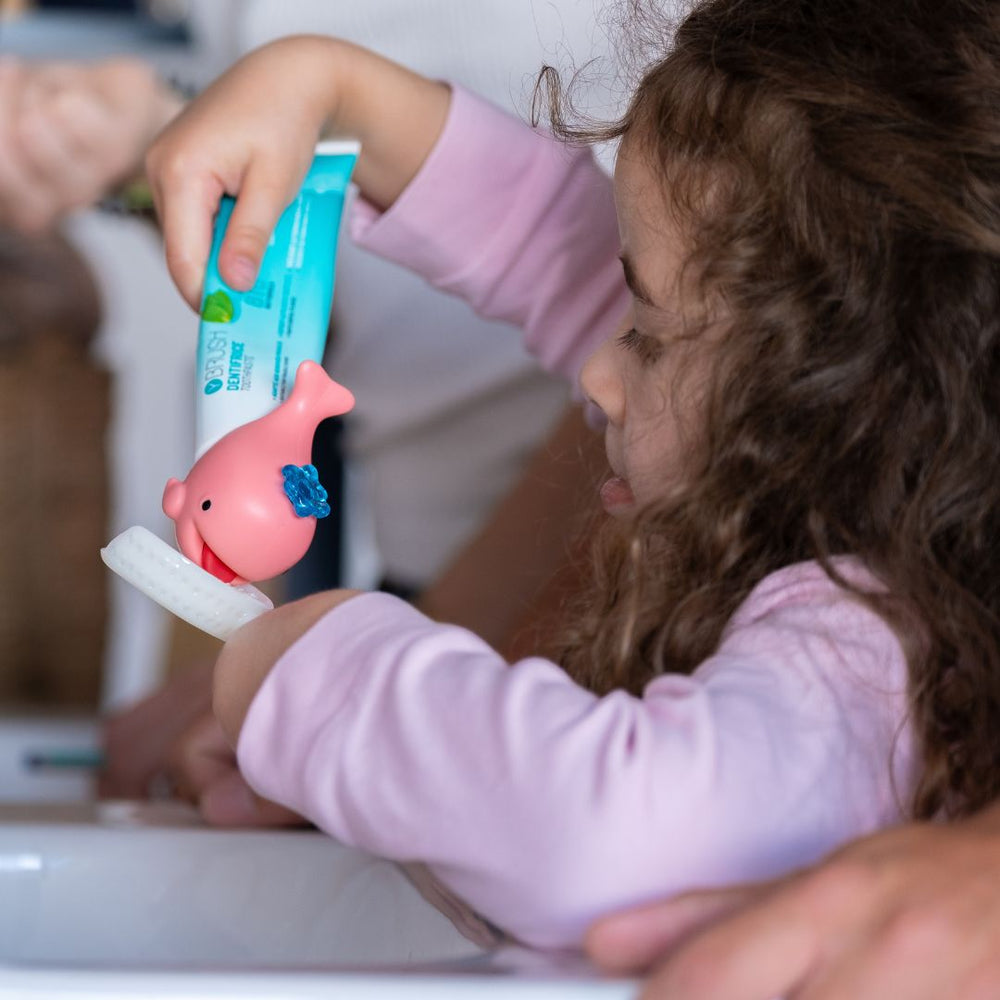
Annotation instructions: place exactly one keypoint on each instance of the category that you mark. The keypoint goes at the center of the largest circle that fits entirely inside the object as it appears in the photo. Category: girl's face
(645, 378)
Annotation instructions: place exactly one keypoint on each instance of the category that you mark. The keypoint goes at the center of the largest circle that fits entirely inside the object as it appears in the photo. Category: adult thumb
(632, 940)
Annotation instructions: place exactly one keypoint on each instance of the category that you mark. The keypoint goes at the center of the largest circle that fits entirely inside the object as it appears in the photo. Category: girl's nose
(601, 381)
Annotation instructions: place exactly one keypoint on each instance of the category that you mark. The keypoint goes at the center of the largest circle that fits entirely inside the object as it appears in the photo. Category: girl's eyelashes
(648, 349)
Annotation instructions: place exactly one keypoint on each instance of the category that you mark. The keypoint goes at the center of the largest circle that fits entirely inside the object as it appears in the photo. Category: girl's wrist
(395, 113)
(351, 92)
(249, 656)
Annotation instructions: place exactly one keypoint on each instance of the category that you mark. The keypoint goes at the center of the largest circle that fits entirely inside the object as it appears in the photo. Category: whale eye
(206, 504)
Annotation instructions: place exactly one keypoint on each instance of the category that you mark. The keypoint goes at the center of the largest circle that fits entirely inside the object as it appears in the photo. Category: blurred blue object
(126, 5)
(94, 29)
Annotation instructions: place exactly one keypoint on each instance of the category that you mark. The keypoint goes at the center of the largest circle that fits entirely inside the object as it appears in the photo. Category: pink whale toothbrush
(248, 508)
(246, 512)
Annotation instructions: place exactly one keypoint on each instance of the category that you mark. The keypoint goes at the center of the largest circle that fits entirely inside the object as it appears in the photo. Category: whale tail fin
(316, 394)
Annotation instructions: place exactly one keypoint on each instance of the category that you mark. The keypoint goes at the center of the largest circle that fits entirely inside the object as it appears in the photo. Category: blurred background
(88, 328)
(97, 355)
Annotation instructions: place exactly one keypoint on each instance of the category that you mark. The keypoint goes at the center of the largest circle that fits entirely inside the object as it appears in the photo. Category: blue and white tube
(250, 344)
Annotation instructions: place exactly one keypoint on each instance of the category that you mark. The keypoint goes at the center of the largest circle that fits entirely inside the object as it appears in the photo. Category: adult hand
(72, 131)
(172, 737)
(138, 740)
(911, 913)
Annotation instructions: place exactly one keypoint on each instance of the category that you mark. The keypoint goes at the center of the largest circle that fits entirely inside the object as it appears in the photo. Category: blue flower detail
(302, 487)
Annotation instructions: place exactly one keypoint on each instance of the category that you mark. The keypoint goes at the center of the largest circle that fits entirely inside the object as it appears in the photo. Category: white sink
(141, 900)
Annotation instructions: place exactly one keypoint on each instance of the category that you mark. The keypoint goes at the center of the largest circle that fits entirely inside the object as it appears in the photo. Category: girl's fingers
(186, 202)
(634, 939)
(263, 196)
(230, 802)
(199, 758)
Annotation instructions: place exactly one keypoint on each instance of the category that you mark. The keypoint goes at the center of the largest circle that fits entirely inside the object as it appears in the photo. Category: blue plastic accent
(303, 488)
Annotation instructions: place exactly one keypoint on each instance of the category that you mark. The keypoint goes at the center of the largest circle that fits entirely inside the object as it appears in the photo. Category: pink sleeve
(519, 225)
(545, 806)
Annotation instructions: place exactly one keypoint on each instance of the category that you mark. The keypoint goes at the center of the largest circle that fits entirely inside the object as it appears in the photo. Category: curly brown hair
(853, 233)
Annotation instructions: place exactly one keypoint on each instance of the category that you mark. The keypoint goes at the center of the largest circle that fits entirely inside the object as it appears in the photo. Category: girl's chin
(617, 496)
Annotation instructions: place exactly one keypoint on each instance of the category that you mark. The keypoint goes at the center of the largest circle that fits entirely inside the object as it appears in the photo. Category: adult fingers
(763, 951)
(97, 144)
(49, 156)
(137, 739)
(918, 949)
(633, 939)
(130, 761)
(22, 204)
(862, 974)
(90, 126)
(68, 139)
(263, 196)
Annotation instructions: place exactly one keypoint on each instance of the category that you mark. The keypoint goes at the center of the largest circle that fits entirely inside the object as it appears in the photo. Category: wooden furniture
(54, 403)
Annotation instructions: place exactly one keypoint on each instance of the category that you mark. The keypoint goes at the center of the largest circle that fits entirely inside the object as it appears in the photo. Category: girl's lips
(616, 494)
(211, 563)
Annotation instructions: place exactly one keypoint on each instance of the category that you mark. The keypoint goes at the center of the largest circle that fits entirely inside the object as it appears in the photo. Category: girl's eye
(648, 349)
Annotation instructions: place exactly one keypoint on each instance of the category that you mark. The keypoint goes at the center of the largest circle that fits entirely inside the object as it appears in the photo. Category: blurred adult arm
(71, 132)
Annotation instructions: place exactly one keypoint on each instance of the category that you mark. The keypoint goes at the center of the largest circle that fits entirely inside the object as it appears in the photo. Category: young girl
(793, 633)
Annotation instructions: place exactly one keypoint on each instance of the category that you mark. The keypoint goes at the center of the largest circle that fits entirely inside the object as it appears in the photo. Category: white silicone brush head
(176, 583)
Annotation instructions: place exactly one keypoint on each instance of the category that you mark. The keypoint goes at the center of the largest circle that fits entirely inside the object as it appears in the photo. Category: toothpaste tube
(247, 509)
(250, 344)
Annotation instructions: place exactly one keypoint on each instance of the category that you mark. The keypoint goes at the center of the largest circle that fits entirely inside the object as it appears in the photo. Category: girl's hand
(202, 768)
(71, 131)
(251, 135)
(247, 658)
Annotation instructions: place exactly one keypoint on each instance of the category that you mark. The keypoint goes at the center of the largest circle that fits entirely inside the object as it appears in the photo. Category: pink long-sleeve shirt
(539, 803)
